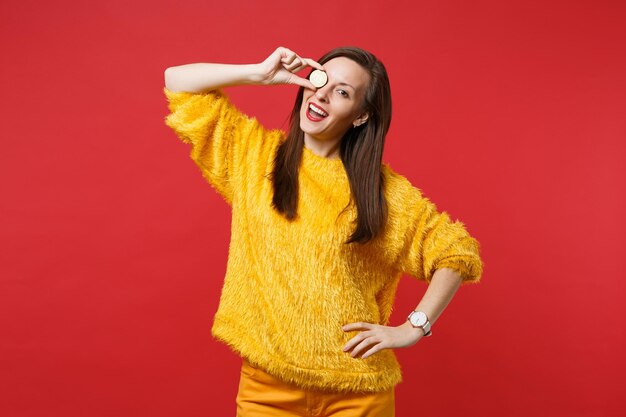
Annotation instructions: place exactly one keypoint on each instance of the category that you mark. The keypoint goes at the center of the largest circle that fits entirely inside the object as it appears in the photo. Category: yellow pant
(262, 395)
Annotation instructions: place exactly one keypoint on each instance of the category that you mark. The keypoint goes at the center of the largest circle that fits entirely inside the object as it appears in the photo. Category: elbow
(167, 75)
(174, 80)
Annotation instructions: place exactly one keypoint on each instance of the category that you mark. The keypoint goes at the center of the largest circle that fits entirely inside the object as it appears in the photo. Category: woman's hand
(377, 337)
(280, 68)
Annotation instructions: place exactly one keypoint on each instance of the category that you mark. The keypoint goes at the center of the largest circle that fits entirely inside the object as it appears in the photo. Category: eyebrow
(342, 83)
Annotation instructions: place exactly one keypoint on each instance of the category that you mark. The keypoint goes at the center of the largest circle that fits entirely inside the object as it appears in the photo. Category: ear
(360, 120)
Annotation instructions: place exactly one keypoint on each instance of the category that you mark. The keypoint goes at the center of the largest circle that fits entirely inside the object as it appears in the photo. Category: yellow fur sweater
(291, 286)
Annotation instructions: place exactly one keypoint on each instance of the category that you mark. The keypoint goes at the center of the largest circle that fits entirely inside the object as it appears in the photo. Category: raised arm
(279, 68)
(222, 138)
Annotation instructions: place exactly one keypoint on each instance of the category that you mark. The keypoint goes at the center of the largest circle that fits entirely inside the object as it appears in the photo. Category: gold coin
(318, 78)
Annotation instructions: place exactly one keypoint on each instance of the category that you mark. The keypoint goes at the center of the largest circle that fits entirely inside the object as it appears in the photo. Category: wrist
(252, 74)
(417, 331)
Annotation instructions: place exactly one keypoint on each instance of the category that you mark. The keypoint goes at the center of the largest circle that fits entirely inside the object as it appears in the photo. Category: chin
(306, 127)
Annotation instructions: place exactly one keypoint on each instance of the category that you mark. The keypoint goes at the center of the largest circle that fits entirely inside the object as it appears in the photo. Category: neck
(327, 149)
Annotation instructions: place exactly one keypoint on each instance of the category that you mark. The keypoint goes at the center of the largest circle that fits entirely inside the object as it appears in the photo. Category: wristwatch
(420, 319)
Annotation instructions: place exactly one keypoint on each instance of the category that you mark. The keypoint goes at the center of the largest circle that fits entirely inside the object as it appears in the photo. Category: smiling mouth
(315, 114)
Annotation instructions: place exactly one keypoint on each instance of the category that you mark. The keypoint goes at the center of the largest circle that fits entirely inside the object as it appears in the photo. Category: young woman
(322, 231)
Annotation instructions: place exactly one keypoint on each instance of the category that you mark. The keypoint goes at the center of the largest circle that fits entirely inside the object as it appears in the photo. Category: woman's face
(340, 101)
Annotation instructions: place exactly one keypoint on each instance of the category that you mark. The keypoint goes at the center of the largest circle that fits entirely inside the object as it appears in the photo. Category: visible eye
(343, 93)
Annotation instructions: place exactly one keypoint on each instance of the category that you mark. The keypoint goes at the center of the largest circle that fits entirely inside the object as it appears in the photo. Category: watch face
(418, 318)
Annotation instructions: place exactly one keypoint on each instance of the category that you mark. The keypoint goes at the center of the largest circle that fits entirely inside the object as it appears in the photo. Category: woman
(322, 230)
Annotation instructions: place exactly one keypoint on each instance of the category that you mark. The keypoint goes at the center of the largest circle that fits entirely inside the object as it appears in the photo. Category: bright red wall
(509, 115)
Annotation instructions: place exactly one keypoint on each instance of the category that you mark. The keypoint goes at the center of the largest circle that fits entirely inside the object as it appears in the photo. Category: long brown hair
(361, 152)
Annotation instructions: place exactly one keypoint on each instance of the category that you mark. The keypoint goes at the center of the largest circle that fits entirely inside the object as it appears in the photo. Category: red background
(509, 115)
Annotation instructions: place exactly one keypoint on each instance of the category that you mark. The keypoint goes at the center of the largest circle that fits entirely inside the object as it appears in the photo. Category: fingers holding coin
(314, 64)
(292, 62)
(299, 63)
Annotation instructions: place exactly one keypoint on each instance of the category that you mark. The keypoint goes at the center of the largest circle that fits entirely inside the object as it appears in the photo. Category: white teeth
(318, 111)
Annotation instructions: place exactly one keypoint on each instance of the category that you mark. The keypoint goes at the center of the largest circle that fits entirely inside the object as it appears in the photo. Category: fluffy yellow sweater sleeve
(433, 241)
(219, 134)
(290, 286)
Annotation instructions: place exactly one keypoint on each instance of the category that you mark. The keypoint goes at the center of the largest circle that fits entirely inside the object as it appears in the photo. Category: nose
(321, 93)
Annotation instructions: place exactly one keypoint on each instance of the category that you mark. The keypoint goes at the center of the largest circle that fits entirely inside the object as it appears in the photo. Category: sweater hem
(314, 379)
